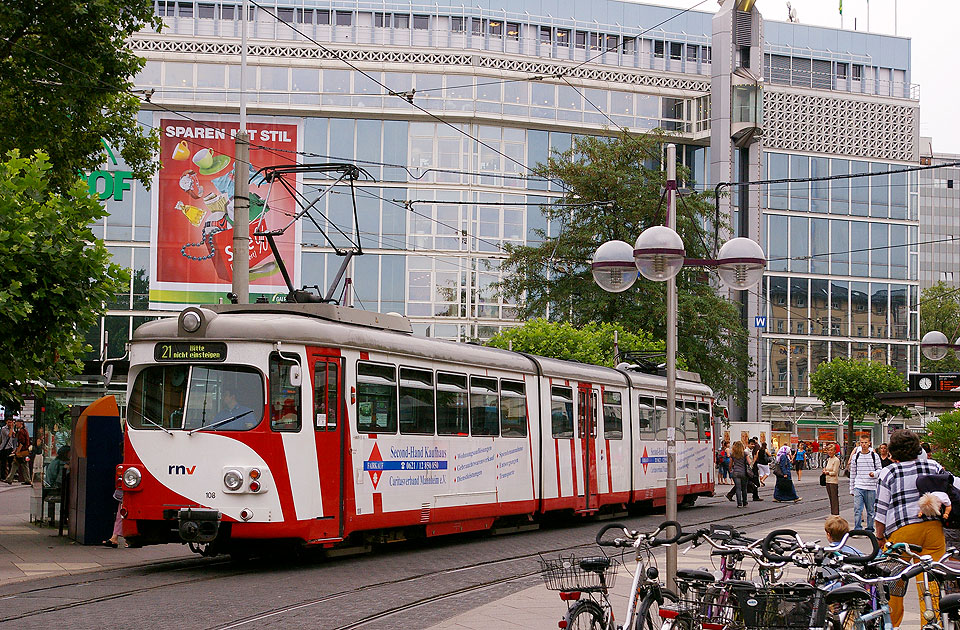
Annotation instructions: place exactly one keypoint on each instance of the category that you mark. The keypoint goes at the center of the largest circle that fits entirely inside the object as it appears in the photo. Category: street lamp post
(659, 255)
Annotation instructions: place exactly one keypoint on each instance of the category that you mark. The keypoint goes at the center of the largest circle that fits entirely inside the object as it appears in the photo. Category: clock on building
(925, 382)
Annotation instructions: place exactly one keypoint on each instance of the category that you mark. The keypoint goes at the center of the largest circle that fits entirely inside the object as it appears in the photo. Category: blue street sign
(760, 321)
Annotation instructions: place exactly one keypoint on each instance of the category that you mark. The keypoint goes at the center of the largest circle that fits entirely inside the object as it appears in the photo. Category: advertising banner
(191, 253)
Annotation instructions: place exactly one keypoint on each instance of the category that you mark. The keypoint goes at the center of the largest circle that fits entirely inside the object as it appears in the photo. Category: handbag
(823, 479)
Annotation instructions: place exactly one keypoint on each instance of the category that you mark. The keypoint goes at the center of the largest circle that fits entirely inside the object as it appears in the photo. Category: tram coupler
(198, 525)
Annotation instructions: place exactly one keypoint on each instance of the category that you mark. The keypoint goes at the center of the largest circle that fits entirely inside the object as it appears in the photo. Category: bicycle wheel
(648, 612)
(586, 614)
(717, 606)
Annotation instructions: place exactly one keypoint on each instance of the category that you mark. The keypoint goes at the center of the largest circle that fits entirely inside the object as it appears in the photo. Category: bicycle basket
(781, 607)
(890, 566)
(565, 574)
(709, 603)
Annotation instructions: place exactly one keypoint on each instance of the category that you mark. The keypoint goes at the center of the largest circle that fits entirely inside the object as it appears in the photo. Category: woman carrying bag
(830, 479)
(740, 465)
(784, 491)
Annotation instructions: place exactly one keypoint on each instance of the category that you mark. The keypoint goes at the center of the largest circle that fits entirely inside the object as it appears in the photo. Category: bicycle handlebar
(635, 536)
(771, 554)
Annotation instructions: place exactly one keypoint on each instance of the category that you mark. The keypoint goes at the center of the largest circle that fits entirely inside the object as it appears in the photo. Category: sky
(932, 26)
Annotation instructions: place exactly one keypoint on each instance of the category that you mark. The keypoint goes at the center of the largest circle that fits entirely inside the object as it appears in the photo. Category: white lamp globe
(740, 263)
(658, 253)
(934, 345)
(613, 267)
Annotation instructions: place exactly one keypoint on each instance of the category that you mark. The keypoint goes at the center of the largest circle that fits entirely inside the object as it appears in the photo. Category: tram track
(755, 517)
(395, 610)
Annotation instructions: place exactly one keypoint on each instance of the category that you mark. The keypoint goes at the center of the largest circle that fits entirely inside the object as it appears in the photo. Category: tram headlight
(191, 321)
(131, 478)
(233, 479)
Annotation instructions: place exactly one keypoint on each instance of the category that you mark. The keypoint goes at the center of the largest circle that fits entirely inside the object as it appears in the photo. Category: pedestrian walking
(884, 454)
(831, 475)
(740, 465)
(865, 467)
(898, 517)
(763, 464)
(800, 459)
(21, 456)
(8, 443)
(114, 540)
(784, 490)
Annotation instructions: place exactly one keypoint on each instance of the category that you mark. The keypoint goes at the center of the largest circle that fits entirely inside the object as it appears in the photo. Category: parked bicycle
(584, 583)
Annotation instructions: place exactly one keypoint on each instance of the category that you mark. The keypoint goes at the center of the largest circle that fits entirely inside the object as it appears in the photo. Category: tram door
(587, 433)
(329, 418)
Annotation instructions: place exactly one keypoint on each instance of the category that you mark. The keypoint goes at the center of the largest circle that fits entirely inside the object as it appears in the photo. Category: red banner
(193, 212)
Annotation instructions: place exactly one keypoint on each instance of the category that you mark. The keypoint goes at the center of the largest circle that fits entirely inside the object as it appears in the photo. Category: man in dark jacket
(8, 442)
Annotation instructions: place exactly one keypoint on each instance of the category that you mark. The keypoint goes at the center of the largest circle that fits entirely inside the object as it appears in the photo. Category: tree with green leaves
(552, 277)
(66, 74)
(58, 276)
(944, 436)
(592, 343)
(856, 383)
(940, 310)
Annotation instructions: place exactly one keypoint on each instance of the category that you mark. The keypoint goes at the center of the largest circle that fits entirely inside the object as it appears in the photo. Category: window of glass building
(879, 191)
(859, 189)
(799, 191)
(799, 244)
(779, 366)
(777, 168)
(819, 307)
(799, 305)
(344, 18)
(421, 22)
(779, 312)
(859, 309)
(839, 188)
(839, 247)
(859, 248)
(879, 299)
(839, 308)
(879, 254)
(799, 353)
(819, 246)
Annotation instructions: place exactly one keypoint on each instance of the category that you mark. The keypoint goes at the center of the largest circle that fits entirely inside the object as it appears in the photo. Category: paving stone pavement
(536, 607)
(28, 550)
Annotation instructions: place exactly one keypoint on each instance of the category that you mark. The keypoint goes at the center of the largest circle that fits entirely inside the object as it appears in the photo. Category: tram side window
(561, 412)
(691, 421)
(326, 405)
(416, 401)
(513, 409)
(376, 398)
(647, 418)
(453, 409)
(284, 395)
(704, 425)
(661, 409)
(612, 416)
(484, 406)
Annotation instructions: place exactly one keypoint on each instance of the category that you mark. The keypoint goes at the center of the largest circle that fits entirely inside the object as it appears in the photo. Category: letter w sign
(760, 321)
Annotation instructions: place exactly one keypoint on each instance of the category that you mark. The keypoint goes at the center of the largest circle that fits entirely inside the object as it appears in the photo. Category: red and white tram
(321, 424)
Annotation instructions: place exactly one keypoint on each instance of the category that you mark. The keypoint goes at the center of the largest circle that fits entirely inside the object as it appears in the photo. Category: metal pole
(671, 508)
(241, 176)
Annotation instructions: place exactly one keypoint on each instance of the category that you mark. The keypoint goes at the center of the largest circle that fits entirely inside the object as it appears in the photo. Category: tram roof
(324, 324)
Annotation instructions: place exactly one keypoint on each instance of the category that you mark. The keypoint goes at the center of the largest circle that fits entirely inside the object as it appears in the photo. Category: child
(938, 492)
(936, 504)
(836, 527)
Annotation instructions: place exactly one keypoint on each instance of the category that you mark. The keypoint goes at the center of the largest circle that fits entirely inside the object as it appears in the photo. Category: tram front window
(175, 397)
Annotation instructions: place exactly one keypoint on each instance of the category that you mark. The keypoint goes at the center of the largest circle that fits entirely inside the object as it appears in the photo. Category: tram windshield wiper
(154, 423)
(220, 422)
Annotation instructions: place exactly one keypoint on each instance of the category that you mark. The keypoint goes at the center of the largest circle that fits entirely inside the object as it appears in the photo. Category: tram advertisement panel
(192, 211)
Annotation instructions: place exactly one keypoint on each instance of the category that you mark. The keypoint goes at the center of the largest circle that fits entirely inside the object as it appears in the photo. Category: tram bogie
(334, 427)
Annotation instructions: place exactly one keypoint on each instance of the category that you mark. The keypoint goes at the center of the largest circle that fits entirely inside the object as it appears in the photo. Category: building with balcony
(494, 90)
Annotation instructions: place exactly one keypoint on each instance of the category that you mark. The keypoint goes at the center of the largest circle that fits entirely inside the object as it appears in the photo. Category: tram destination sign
(190, 351)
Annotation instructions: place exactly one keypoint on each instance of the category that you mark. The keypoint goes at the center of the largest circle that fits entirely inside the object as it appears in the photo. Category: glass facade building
(494, 92)
(939, 218)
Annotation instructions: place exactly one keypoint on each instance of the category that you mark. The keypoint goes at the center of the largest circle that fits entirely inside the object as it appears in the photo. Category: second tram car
(326, 425)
